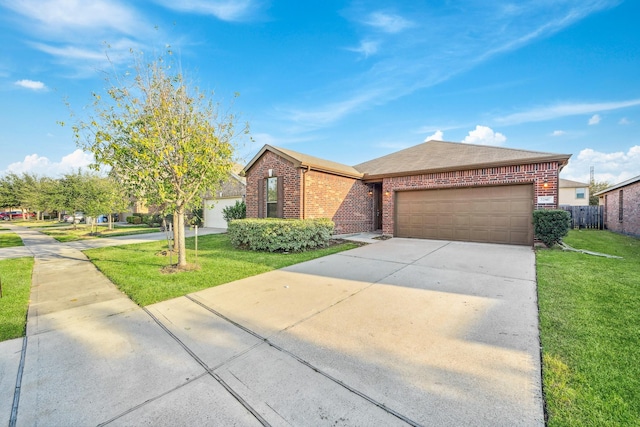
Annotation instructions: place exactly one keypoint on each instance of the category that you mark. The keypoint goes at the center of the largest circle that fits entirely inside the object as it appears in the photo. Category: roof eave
(562, 159)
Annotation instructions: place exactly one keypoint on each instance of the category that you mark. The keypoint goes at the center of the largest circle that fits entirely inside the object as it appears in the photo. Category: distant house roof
(441, 156)
(620, 185)
(567, 183)
(304, 160)
(234, 187)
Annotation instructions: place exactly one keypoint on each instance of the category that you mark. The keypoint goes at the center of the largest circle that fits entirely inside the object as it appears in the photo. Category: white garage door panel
(213, 212)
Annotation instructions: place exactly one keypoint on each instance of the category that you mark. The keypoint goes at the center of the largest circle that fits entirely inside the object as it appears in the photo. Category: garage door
(501, 214)
(213, 212)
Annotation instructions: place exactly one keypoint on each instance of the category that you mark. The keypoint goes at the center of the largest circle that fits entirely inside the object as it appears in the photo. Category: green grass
(82, 232)
(590, 331)
(136, 269)
(9, 240)
(15, 275)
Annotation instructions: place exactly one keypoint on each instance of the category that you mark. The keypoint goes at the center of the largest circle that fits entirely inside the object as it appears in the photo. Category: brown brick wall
(345, 200)
(281, 167)
(517, 174)
(630, 223)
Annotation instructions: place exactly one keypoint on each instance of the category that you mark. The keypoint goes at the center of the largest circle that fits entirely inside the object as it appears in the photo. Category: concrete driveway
(401, 332)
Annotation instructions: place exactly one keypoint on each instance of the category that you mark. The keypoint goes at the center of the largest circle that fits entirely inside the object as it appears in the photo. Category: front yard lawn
(9, 240)
(15, 277)
(136, 269)
(590, 331)
(82, 231)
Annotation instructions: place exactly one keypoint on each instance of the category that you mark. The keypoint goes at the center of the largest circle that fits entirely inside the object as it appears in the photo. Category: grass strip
(83, 232)
(15, 276)
(590, 330)
(137, 269)
(10, 240)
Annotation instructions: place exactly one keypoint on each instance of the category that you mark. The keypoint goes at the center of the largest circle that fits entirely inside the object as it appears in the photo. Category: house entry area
(493, 214)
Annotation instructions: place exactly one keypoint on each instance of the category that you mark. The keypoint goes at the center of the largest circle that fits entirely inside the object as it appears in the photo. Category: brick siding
(630, 223)
(517, 174)
(345, 200)
(280, 168)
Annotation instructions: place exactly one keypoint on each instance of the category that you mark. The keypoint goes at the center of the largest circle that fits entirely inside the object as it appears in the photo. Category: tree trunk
(182, 249)
(176, 232)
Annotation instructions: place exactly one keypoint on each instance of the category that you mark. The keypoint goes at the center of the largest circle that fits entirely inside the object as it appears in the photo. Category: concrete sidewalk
(403, 332)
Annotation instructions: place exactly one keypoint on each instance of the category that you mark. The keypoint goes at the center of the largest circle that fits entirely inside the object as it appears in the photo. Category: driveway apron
(401, 332)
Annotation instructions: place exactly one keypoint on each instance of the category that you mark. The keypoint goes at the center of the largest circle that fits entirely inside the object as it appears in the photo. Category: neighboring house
(622, 207)
(434, 190)
(231, 191)
(573, 193)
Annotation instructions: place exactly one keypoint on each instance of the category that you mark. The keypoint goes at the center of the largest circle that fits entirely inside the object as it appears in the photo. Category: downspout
(304, 192)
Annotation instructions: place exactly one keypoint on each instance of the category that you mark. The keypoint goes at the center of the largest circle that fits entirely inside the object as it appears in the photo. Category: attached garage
(493, 214)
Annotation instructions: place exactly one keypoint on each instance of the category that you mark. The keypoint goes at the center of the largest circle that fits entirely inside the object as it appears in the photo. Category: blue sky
(345, 81)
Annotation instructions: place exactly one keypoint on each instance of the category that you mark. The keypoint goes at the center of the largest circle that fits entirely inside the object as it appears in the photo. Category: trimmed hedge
(551, 225)
(280, 235)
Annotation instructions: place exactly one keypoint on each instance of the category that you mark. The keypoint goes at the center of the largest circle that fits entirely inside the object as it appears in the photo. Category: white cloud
(67, 15)
(41, 165)
(595, 119)
(225, 10)
(387, 22)
(558, 133)
(366, 48)
(437, 136)
(613, 167)
(563, 110)
(31, 84)
(484, 135)
(624, 121)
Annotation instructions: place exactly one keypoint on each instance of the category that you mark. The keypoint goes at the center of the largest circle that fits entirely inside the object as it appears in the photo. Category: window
(580, 193)
(272, 197)
(620, 206)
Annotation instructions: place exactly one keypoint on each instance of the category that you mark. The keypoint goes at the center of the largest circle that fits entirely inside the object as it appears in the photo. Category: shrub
(237, 211)
(280, 235)
(550, 226)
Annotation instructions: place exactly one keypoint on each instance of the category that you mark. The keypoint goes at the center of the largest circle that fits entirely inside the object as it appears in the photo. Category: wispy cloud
(366, 48)
(388, 22)
(563, 110)
(30, 84)
(64, 16)
(444, 44)
(558, 133)
(595, 119)
(225, 10)
(624, 121)
(74, 32)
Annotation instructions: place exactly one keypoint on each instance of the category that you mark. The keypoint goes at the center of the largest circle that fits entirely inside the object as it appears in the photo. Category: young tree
(594, 187)
(166, 142)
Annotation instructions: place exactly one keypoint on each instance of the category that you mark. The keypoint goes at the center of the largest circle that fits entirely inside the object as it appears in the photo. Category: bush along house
(434, 190)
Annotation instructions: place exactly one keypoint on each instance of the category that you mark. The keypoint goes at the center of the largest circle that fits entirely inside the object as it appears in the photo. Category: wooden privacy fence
(586, 216)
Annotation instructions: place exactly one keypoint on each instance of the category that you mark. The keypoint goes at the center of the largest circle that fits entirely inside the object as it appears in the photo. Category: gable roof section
(567, 183)
(305, 161)
(440, 156)
(620, 185)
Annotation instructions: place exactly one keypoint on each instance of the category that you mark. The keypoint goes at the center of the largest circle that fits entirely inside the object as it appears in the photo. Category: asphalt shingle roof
(434, 156)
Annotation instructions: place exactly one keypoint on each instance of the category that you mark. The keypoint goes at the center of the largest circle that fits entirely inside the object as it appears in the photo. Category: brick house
(622, 207)
(434, 190)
